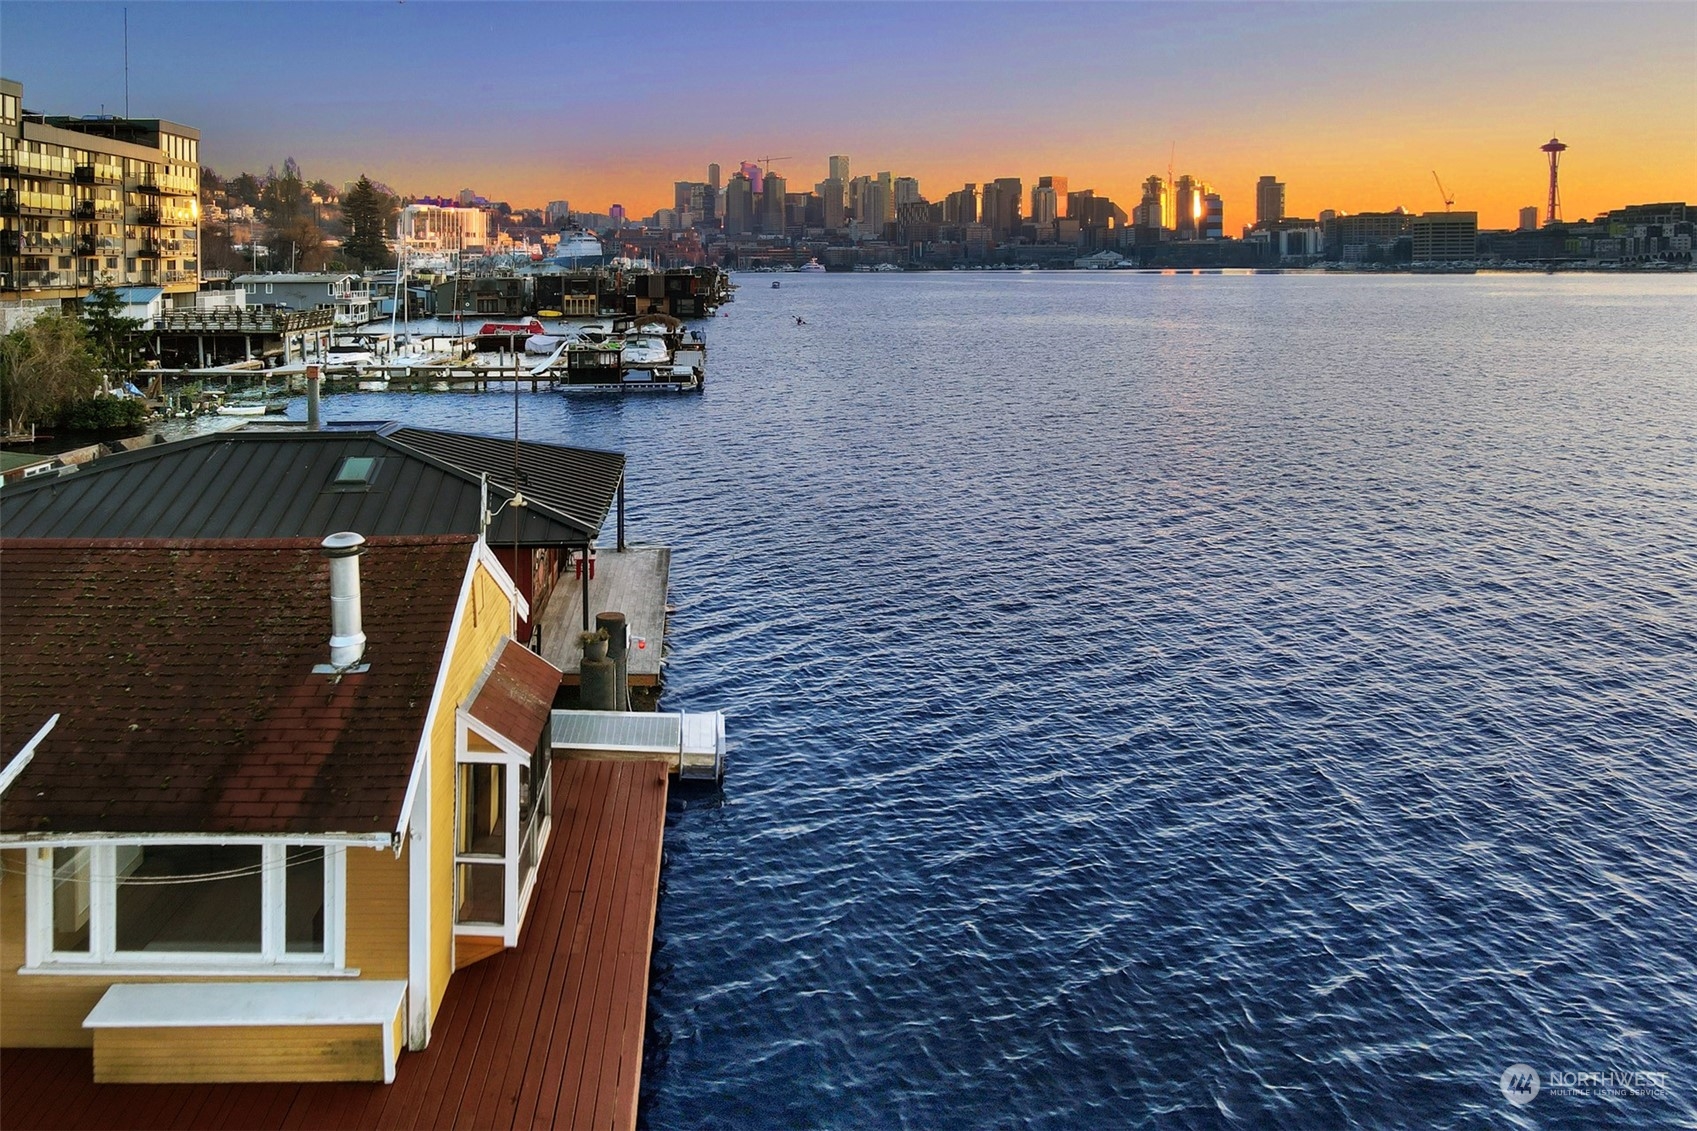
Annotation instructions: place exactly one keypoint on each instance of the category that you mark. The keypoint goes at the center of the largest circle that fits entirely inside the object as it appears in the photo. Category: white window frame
(103, 956)
(519, 889)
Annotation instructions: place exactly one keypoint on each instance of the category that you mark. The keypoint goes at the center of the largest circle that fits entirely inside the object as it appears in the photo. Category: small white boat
(811, 265)
(241, 410)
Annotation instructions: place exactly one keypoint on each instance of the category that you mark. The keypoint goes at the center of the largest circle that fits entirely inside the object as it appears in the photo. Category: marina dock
(548, 1034)
(632, 581)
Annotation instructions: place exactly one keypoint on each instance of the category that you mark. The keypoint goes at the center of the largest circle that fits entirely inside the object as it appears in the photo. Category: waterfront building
(739, 206)
(1440, 236)
(1269, 201)
(1529, 218)
(444, 228)
(839, 169)
(420, 758)
(1363, 236)
(343, 292)
(86, 202)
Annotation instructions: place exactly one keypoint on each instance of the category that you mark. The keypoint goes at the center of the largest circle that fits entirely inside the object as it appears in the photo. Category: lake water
(1173, 700)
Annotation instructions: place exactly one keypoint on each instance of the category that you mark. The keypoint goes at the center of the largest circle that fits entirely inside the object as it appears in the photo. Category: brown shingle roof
(183, 672)
(517, 695)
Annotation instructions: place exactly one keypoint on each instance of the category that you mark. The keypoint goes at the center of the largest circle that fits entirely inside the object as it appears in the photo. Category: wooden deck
(546, 1035)
(631, 581)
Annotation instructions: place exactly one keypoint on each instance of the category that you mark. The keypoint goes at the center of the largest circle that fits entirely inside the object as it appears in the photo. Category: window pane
(483, 803)
(70, 900)
(189, 897)
(482, 893)
(303, 925)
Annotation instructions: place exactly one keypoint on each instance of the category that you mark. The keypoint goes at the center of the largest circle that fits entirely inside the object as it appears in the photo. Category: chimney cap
(344, 544)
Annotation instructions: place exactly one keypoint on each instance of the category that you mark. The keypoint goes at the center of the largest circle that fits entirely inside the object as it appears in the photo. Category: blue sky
(1351, 104)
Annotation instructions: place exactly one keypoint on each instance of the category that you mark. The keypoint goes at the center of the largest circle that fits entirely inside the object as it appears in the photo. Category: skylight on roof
(356, 471)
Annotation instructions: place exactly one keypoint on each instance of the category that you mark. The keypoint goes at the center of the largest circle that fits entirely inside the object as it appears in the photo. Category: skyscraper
(756, 176)
(1188, 207)
(1529, 218)
(1156, 208)
(1269, 201)
(961, 207)
(907, 191)
(772, 209)
(713, 177)
(1044, 207)
(1052, 191)
(832, 203)
(739, 206)
(887, 211)
(839, 169)
(874, 207)
(1213, 216)
(1000, 210)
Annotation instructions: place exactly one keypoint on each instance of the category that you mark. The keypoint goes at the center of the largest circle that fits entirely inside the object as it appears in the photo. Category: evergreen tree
(245, 189)
(369, 214)
(112, 336)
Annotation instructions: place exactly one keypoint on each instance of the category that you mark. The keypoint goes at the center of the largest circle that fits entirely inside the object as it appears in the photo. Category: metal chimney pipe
(312, 401)
(347, 638)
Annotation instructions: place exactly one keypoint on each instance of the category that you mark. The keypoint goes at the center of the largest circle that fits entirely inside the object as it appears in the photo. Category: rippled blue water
(1174, 701)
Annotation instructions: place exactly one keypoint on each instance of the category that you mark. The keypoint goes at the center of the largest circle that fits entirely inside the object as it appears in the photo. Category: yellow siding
(236, 1053)
(36, 1012)
(485, 621)
(377, 913)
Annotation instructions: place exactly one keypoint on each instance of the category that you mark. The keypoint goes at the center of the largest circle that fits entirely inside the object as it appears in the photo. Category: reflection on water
(1172, 700)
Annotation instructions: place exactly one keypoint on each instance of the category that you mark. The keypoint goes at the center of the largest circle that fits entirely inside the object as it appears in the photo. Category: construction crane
(766, 162)
(1448, 199)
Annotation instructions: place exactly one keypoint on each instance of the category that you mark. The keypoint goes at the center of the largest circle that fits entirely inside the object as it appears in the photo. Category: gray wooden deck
(633, 582)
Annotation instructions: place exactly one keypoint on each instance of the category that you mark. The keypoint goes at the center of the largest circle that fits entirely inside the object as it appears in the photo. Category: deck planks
(632, 581)
(547, 1034)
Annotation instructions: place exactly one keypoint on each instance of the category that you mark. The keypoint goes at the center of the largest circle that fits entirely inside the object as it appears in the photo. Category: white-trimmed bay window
(186, 905)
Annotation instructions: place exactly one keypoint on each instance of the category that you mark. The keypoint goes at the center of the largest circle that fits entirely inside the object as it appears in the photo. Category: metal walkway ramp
(692, 743)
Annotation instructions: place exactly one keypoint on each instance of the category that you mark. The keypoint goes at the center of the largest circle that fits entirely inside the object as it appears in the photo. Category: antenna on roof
(126, 62)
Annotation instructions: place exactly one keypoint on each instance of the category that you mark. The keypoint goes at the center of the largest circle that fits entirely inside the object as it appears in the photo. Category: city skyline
(1351, 106)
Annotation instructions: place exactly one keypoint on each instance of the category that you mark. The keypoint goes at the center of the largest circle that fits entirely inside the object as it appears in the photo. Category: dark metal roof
(283, 485)
(578, 483)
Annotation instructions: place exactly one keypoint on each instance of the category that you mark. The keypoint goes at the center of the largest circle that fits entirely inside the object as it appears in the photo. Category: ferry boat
(811, 265)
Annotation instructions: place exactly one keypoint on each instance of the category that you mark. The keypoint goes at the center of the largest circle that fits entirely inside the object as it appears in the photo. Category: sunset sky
(1351, 105)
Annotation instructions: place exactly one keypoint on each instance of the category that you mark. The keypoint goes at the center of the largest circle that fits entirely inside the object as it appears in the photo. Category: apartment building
(93, 201)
